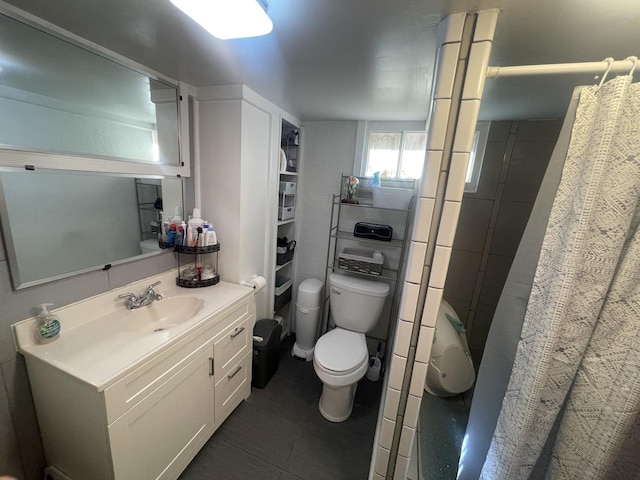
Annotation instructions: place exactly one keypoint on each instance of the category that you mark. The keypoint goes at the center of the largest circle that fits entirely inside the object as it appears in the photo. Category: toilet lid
(341, 351)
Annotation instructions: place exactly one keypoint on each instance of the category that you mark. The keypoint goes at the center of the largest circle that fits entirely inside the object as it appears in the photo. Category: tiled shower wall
(464, 46)
(492, 221)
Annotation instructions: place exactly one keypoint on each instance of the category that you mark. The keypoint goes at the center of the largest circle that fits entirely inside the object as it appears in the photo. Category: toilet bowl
(340, 357)
(450, 369)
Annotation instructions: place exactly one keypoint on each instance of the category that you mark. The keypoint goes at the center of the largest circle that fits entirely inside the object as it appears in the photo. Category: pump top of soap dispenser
(48, 324)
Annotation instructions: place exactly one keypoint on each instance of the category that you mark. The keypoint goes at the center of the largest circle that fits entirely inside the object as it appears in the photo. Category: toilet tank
(356, 303)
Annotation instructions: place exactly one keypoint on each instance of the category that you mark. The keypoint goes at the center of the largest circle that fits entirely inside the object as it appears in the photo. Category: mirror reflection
(81, 103)
(59, 224)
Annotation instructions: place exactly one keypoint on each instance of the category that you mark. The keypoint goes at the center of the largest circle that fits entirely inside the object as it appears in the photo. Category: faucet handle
(155, 284)
(130, 296)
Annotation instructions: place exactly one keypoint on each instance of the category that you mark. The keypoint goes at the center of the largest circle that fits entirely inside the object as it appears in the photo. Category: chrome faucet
(146, 298)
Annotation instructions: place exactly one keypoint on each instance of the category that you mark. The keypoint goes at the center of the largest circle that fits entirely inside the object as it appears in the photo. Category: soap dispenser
(48, 324)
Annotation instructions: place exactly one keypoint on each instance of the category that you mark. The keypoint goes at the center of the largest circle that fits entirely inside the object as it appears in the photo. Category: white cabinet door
(158, 437)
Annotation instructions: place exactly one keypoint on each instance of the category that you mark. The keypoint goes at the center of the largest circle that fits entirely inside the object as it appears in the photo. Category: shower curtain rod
(618, 66)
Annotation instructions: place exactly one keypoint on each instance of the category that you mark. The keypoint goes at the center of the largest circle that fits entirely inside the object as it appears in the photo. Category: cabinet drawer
(231, 345)
(133, 388)
(233, 387)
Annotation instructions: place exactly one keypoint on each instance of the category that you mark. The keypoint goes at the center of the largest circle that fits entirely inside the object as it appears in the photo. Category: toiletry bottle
(177, 216)
(171, 236)
(194, 223)
(179, 235)
(183, 226)
(48, 325)
(211, 236)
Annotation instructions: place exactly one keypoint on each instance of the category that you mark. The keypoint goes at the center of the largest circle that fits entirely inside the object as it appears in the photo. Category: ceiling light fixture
(227, 19)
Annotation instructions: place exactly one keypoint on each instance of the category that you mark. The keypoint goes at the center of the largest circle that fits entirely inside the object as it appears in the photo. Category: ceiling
(359, 59)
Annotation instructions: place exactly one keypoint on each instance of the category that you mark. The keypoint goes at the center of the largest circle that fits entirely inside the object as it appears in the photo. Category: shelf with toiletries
(202, 271)
(370, 230)
(196, 238)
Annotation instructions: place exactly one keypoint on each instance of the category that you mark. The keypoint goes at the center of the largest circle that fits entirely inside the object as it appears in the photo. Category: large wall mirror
(58, 224)
(81, 103)
(90, 153)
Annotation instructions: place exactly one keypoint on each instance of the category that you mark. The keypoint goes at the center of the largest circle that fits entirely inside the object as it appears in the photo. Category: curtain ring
(633, 59)
(609, 60)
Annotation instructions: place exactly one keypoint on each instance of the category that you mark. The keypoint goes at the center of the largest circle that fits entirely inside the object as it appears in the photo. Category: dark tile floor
(279, 434)
(443, 422)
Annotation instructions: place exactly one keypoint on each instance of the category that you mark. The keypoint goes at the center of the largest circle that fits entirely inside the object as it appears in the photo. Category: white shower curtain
(574, 390)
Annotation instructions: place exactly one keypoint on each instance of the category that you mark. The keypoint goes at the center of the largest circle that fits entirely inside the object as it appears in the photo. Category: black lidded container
(266, 352)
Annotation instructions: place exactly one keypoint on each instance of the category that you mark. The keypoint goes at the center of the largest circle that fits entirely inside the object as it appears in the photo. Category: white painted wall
(329, 150)
(235, 140)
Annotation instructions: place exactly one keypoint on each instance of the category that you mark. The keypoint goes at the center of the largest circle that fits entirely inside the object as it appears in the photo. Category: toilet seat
(340, 357)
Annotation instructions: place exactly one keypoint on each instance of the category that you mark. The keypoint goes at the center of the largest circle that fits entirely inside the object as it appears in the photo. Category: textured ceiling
(359, 59)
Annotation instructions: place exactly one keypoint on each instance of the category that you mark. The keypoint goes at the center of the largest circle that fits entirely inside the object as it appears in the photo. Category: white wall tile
(386, 433)
(466, 128)
(450, 29)
(377, 476)
(425, 343)
(412, 411)
(396, 372)
(391, 403)
(457, 176)
(403, 338)
(415, 262)
(440, 266)
(486, 25)
(424, 215)
(438, 124)
(430, 174)
(418, 377)
(448, 223)
(382, 460)
(409, 301)
(447, 63)
(476, 71)
(402, 468)
(431, 306)
(406, 441)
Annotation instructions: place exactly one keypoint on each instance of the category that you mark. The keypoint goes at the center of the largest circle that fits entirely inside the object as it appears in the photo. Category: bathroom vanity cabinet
(150, 420)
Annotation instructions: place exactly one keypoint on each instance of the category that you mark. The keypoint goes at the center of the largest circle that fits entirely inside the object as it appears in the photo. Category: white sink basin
(162, 314)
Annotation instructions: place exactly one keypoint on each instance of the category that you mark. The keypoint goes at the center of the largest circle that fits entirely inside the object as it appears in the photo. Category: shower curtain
(571, 407)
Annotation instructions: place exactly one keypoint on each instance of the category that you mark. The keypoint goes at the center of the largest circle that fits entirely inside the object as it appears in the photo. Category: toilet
(450, 369)
(340, 357)
(149, 246)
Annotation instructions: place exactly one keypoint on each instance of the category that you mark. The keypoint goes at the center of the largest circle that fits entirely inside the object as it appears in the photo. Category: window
(475, 158)
(401, 153)
(396, 154)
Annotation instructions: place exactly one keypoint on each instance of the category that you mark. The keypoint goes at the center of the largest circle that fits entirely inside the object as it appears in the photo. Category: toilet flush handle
(336, 291)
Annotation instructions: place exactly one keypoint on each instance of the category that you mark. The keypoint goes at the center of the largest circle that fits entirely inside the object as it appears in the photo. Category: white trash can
(308, 304)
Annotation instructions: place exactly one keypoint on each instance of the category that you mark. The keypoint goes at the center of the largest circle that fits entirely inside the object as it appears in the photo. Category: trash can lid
(310, 293)
(264, 328)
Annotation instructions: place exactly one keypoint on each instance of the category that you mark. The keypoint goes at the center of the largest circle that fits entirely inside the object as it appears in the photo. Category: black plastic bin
(266, 352)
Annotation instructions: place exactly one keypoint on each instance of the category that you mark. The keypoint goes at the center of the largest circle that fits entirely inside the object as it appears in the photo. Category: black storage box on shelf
(284, 252)
(266, 351)
(373, 231)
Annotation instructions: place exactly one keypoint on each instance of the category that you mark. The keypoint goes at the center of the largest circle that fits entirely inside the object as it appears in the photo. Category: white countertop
(94, 344)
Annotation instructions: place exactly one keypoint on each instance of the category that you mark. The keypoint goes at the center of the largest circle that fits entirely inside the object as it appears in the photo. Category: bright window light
(396, 154)
(227, 19)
